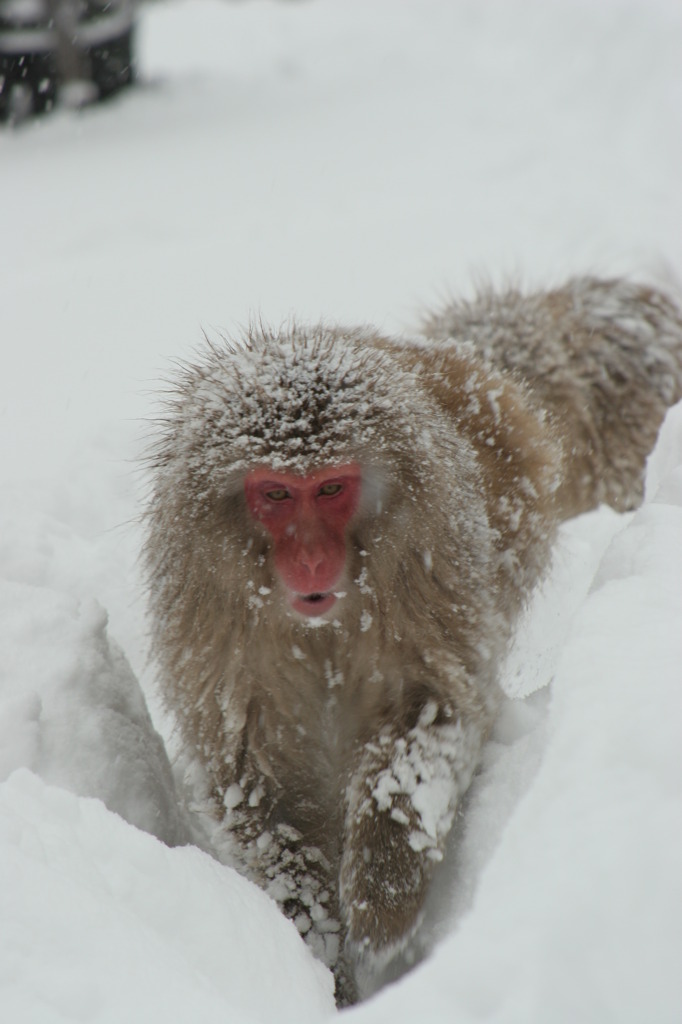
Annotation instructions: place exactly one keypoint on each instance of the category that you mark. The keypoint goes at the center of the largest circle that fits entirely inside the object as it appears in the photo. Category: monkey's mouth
(313, 605)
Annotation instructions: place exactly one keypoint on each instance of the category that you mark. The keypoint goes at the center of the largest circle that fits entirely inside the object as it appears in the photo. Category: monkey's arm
(271, 840)
(401, 804)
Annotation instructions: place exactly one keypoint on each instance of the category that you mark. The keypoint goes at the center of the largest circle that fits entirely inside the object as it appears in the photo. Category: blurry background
(354, 159)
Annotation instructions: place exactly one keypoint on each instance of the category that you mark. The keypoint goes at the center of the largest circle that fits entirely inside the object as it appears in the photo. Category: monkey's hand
(400, 806)
(296, 874)
(298, 878)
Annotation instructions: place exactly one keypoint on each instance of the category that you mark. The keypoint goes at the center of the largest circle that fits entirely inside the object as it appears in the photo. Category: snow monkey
(342, 529)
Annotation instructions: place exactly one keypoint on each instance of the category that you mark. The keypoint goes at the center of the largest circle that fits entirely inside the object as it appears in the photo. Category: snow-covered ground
(356, 159)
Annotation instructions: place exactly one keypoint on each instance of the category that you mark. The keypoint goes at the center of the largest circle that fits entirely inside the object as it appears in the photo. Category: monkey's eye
(329, 490)
(277, 494)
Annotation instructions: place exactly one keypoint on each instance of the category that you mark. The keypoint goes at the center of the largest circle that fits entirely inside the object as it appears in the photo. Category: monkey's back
(604, 358)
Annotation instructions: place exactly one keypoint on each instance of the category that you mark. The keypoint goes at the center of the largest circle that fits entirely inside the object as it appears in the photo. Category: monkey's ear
(377, 483)
(232, 487)
(230, 503)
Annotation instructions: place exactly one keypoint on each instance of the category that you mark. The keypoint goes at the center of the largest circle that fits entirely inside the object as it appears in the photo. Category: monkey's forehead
(297, 402)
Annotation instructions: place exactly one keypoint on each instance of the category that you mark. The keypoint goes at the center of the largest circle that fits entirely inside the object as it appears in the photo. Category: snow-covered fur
(601, 356)
(338, 751)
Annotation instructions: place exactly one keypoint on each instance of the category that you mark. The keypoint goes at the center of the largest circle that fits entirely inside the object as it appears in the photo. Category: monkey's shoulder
(492, 409)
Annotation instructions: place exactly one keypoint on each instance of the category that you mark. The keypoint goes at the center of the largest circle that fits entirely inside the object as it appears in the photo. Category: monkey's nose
(312, 561)
(312, 558)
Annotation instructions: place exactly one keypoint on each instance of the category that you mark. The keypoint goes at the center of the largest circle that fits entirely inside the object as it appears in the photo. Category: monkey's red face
(307, 517)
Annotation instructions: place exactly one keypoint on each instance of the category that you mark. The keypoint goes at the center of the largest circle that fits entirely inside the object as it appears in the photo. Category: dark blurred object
(74, 51)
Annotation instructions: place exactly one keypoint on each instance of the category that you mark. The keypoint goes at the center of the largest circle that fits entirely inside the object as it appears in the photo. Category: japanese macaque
(342, 530)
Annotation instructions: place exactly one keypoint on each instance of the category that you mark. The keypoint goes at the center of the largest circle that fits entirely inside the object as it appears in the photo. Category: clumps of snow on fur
(432, 767)
(294, 398)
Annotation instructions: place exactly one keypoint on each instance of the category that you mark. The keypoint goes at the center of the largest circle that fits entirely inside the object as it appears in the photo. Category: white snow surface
(357, 160)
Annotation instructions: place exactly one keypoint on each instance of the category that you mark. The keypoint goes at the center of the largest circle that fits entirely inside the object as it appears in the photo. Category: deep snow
(356, 160)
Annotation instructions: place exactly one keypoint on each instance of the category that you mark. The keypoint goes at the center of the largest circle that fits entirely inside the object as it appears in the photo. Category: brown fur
(337, 755)
(601, 356)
